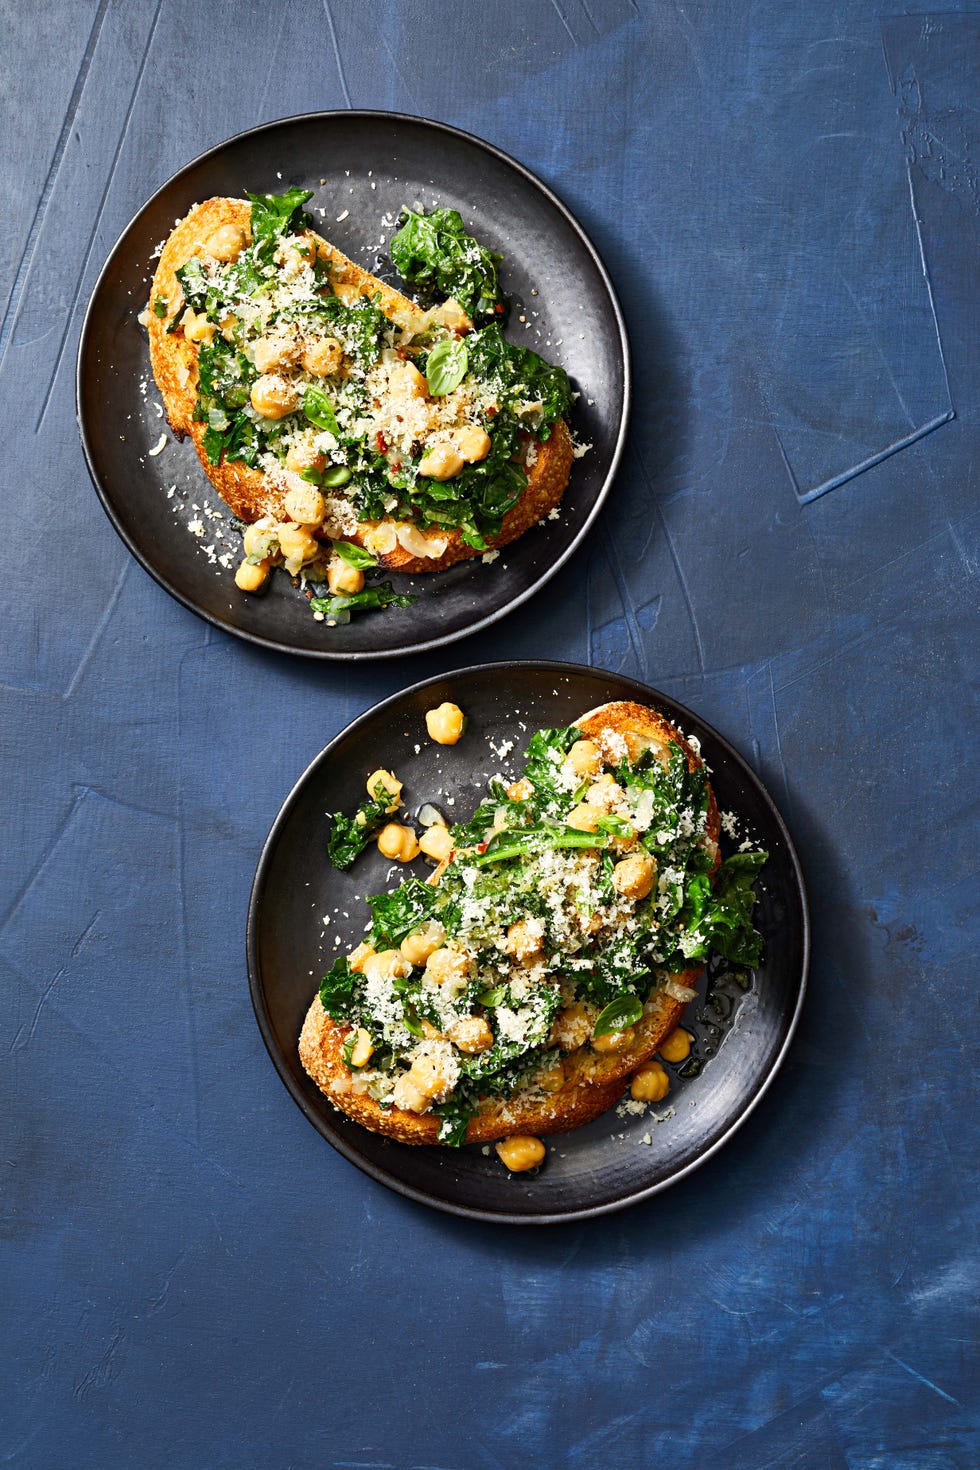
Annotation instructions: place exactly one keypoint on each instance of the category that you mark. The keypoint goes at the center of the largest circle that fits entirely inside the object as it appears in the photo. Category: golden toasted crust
(577, 1102)
(593, 1081)
(249, 492)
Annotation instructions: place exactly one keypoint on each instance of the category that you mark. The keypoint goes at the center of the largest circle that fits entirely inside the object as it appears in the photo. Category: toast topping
(540, 943)
(306, 368)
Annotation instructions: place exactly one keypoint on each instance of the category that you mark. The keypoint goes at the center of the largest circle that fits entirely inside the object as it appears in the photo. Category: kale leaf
(349, 836)
(454, 1116)
(274, 215)
(338, 991)
(434, 252)
(518, 375)
(397, 914)
(340, 607)
(722, 916)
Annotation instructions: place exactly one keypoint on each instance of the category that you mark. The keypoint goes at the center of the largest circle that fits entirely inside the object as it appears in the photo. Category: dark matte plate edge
(650, 695)
(515, 602)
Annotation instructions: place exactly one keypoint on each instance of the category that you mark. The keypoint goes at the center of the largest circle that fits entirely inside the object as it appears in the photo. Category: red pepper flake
(482, 846)
(396, 466)
(499, 309)
(492, 412)
(382, 442)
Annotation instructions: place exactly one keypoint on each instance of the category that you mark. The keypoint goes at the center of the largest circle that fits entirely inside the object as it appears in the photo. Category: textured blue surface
(787, 199)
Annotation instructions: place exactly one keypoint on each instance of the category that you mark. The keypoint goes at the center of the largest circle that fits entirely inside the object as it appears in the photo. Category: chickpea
(273, 397)
(306, 505)
(520, 1153)
(398, 842)
(424, 1083)
(296, 545)
(633, 877)
(196, 327)
(342, 578)
(449, 314)
(650, 1083)
(407, 382)
(407, 1094)
(417, 946)
(380, 539)
(583, 818)
(677, 1046)
(520, 790)
(389, 783)
(226, 243)
(227, 326)
(472, 444)
(295, 255)
(447, 967)
(584, 759)
(260, 537)
(572, 1027)
(437, 842)
(524, 941)
(605, 792)
(387, 964)
(363, 1050)
(272, 353)
(472, 1034)
(322, 358)
(300, 457)
(362, 953)
(553, 1080)
(441, 462)
(445, 724)
(251, 576)
(614, 1040)
(429, 1031)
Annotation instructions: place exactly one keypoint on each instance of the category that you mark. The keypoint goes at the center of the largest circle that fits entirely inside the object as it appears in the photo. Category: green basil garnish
(319, 410)
(446, 366)
(624, 1011)
(354, 556)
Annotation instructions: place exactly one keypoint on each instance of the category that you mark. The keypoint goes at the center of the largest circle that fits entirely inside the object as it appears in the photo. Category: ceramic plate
(303, 912)
(362, 167)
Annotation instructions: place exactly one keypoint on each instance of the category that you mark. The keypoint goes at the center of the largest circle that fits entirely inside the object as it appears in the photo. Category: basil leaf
(354, 556)
(492, 997)
(625, 1011)
(160, 306)
(446, 366)
(319, 410)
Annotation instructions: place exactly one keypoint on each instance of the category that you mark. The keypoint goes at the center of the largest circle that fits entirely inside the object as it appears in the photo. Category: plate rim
(551, 568)
(376, 1171)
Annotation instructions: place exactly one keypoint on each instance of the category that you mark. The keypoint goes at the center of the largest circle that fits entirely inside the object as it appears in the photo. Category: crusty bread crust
(593, 1081)
(249, 492)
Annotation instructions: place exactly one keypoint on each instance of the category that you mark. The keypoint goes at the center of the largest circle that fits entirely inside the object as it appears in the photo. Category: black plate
(605, 1165)
(372, 163)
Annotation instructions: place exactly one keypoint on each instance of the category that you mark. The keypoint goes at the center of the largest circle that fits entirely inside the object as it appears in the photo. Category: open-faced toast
(309, 389)
(607, 847)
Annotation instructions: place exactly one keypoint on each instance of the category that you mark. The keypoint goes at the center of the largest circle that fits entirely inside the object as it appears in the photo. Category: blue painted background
(787, 198)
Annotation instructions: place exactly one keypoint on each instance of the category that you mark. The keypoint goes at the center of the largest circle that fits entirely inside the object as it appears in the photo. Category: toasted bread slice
(591, 1081)
(252, 494)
